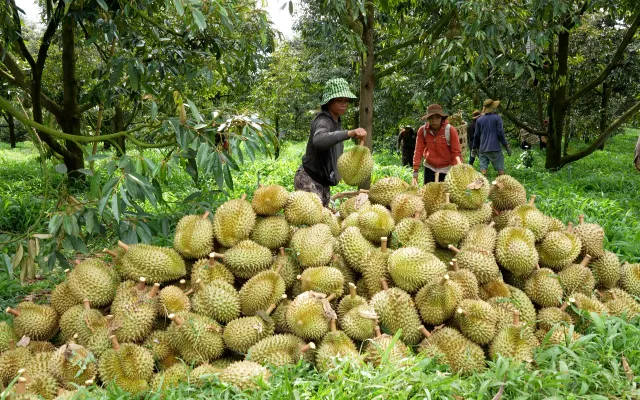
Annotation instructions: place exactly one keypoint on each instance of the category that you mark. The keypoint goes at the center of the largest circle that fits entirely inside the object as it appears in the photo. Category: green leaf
(103, 5)
(94, 189)
(78, 244)
(54, 224)
(154, 111)
(67, 223)
(178, 6)
(98, 156)
(86, 171)
(133, 76)
(61, 169)
(194, 111)
(114, 207)
(227, 176)
(89, 221)
(7, 263)
(290, 7)
(200, 21)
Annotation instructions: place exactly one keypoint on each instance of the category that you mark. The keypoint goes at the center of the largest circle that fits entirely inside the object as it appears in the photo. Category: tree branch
(18, 80)
(155, 23)
(103, 55)
(354, 25)
(394, 68)
(511, 116)
(52, 27)
(570, 23)
(603, 136)
(628, 37)
(21, 45)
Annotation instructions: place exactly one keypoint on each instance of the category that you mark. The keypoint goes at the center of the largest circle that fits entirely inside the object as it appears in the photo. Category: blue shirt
(489, 133)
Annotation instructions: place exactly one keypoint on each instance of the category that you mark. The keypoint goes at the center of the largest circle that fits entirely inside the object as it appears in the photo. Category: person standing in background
(407, 137)
(488, 136)
(470, 132)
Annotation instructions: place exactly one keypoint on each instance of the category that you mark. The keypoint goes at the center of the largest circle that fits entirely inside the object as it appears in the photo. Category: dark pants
(430, 176)
(472, 159)
(302, 181)
(407, 157)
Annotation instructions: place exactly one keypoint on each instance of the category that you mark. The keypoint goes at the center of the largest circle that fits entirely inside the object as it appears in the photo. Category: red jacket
(435, 148)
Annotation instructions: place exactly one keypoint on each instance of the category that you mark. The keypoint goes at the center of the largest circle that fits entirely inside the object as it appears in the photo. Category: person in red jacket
(440, 153)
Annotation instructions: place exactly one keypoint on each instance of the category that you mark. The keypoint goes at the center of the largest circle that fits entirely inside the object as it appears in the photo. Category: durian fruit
(208, 270)
(555, 225)
(544, 288)
(244, 375)
(481, 236)
(338, 263)
(375, 222)
(246, 259)
(135, 311)
(353, 247)
(335, 344)
(218, 300)
(41, 385)
(466, 279)
(233, 221)
(619, 302)
(406, 205)
(469, 189)
(384, 190)
(269, 200)
(99, 341)
(354, 204)
(279, 350)
(577, 278)
(411, 268)
(172, 300)
(279, 316)
(479, 261)
(38, 322)
(587, 303)
(359, 322)
(170, 377)
(507, 193)
(532, 219)
(271, 232)
(11, 361)
(327, 280)
(332, 221)
(309, 314)
(592, 236)
(396, 310)
(444, 255)
(72, 364)
(163, 355)
(36, 346)
(459, 353)
(630, 279)
(524, 305)
(477, 320)
(61, 297)
(303, 208)
(242, 333)
(448, 225)
(516, 251)
(559, 249)
(197, 339)
(495, 288)
(313, 245)
(81, 320)
(259, 292)
(205, 372)
(6, 336)
(515, 341)
(606, 270)
(375, 267)
(548, 317)
(412, 232)
(381, 345)
(94, 280)
(157, 264)
(437, 302)
(350, 301)
(355, 165)
(481, 216)
(194, 236)
(128, 365)
(433, 195)
(289, 267)
(503, 219)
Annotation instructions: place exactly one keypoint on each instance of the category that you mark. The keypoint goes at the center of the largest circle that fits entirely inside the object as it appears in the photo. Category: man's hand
(474, 153)
(358, 133)
(508, 147)
(414, 180)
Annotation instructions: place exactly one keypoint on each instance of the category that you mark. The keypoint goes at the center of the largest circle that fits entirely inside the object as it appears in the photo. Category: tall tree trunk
(70, 122)
(119, 127)
(276, 120)
(12, 130)
(604, 103)
(557, 103)
(540, 106)
(367, 82)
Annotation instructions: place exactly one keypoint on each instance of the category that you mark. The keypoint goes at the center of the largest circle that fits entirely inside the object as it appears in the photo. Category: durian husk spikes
(114, 342)
(352, 290)
(12, 311)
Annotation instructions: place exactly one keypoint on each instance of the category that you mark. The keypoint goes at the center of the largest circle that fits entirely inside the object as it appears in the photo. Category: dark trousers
(472, 159)
(407, 157)
(430, 176)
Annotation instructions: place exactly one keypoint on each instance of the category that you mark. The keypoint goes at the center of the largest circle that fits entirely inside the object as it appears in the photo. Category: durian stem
(206, 214)
(182, 284)
(495, 212)
(270, 309)
(142, 283)
(279, 268)
(613, 295)
(364, 191)
(453, 248)
(425, 332)
(13, 311)
(67, 271)
(385, 285)
(88, 382)
(176, 319)
(76, 262)
(516, 317)
(199, 285)
(74, 339)
(444, 279)
(497, 184)
(282, 251)
(307, 347)
(570, 227)
(216, 255)
(110, 252)
(517, 222)
(154, 290)
(377, 331)
(21, 387)
(12, 344)
(586, 260)
(447, 198)
(437, 178)
(383, 244)
(332, 325)
(243, 197)
(123, 245)
(417, 215)
(492, 224)
(454, 264)
(581, 218)
(87, 304)
(463, 312)
(331, 297)
(352, 290)
(532, 199)
(361, 142)
(537, 267)
(114, 342)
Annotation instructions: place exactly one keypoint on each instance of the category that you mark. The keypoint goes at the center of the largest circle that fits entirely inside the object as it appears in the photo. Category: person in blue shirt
(488, 137)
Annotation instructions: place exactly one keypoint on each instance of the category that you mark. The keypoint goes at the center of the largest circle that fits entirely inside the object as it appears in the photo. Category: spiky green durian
(444, 255)
(516, 251)
(37, 321)
(559, 249)
(412, 232)
(481, 216)
(547, 317)
(438, 301)
(259, 292)
(134, 311)
(515, 341)
(309, 314)
(479, 261)
(313, 245)
(350, 301)
(481, 236)
(406, 205)
(6, 336)
(396, 310)
(495, 288)
(11, 361)
(592, 236)
(242, 333)
(375, 267)
(72, 364)
(466, 279)
(477, 320)
(411, 268)
(332, 221)
(338, 263)
(271, 232)
(606, 270)
(208, 270)
(233, 222)
(619, 302)
(128, 365)
(543, 288)
(246, 259)
(375, 222)
(507, 193)
(157, 264)
(217, 300)
(194, 236)
(433, 195)
(587, 303)
(197, 339)
(459, 353)
(172, 300)
(92, 279)
(43, 386)
(158, 344)
(577, 278)
(630, 278)
(385, 347)
(355, 165)
(327, 280)
(279, 316)
(503, 219)
(448, 225)
(384, 190)
(81, 320)
(359, 322)
(469, 189)
(244, 375)
(170, 377)
(335, 344)
(354, 247)
(303, 208)
(279, 350)
(354, 204)
(269, 200)
(61, 297)
(289, 267)
(531, 218)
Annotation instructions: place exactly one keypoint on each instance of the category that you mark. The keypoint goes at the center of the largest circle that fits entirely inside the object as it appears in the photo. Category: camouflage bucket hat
(335, 88)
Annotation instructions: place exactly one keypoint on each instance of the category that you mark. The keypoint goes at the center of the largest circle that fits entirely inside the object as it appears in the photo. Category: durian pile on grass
(463, 268)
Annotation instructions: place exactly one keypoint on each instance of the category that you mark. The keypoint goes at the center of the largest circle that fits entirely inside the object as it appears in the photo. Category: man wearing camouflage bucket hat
(319, 171)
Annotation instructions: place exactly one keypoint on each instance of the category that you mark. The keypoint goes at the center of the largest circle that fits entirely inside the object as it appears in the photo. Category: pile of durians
(462, 270)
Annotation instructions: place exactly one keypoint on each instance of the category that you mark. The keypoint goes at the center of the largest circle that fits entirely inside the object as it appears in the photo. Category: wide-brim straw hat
(434, 109)
(476, 114)
(489, 105)
(336, 88)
